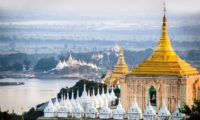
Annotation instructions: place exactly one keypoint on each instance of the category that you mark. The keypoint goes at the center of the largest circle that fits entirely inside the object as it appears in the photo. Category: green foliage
(193, 113)
(6, 116)
(45, 64)
(32, 114)
(90, 85)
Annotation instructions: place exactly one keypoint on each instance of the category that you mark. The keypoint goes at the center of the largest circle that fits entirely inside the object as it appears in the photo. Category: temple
(163, 75)
(154, 90)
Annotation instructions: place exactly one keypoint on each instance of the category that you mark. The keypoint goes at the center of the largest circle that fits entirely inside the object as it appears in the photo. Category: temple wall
(192, 88)
(172, 88)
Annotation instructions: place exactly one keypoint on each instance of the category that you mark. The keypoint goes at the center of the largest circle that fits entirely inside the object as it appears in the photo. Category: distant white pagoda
(73, 63)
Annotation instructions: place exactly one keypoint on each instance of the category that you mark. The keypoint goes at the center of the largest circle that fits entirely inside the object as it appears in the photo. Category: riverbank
(11, 83)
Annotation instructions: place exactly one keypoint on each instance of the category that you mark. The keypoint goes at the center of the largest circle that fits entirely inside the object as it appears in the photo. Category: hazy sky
(99, 6)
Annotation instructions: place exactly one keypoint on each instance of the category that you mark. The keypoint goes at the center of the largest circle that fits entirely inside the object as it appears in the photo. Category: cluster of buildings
(163, 75)
(100, 106)
(73, 63)
(156, 88)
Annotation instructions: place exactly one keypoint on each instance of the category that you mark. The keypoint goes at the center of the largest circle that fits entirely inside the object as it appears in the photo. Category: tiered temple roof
(164, 60)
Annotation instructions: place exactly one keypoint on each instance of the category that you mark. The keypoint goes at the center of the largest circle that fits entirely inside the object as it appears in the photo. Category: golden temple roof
(121, 66)
(164, 60)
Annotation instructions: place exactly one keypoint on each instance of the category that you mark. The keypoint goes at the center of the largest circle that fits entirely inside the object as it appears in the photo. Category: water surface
(34, 91)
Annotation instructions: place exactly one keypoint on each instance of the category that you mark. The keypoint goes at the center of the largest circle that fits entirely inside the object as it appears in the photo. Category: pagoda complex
(164, 75)
(119, 70)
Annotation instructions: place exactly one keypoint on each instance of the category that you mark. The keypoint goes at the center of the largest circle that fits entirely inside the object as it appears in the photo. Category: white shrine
(119, 113)
(149, 112)
(164, 113)
(63, 111)
(105, 112)
(50, 110)
(134, 112)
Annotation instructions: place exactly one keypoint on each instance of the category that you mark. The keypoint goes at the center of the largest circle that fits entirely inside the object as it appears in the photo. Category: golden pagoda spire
(121, 66)
(164, 60)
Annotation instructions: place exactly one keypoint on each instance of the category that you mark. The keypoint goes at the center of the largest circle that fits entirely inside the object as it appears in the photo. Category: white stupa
(78, 111)
(164, 113)
(69, 105)
(73, 102)
(77, 96)
(149, 113)
(119, 113)
(56, 104)
(91, 111)
(112, 94)
(108, 96)
(94, 99)
(63, 111)
(85, 99)
(134, 112)
(105, 112)
(177, 114)
(98, 96)
(60, 65)
(103, 93)
(50, 110)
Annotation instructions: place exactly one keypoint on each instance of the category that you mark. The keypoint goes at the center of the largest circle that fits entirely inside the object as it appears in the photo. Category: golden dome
(164, 60)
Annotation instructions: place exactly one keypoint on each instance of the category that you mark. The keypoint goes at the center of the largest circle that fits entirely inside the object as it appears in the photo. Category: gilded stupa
(121, 68)
(164, 60)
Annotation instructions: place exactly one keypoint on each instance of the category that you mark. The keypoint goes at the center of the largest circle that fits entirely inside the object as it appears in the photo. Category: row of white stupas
(72, 62)
(99, 106)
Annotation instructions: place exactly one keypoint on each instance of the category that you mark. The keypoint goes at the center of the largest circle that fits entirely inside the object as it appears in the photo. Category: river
(34, 91)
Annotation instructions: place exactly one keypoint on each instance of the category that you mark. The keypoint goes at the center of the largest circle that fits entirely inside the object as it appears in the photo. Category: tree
(193, 113)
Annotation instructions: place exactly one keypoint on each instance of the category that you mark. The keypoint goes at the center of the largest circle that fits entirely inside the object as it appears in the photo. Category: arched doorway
(152, 96)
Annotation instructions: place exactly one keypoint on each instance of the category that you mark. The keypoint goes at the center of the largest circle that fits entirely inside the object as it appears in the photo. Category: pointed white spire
(91, 110)
(73, 102)
(56, 103)
(105, 112)
(50, 110)
(103, 93)
(163, 112)
(149, 112)
(134, 111)
(108, 94)
(113, 94)
(119, 112)
(101, 102)
(94, 99)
